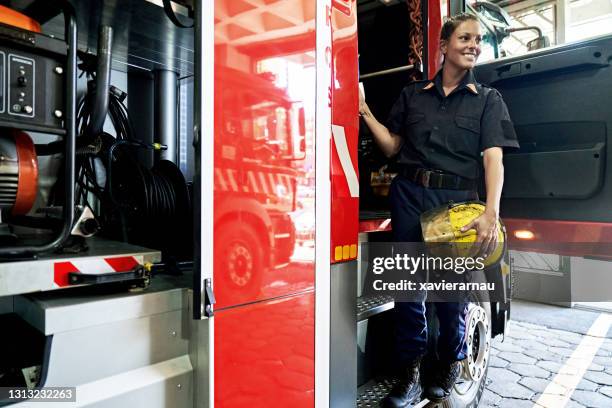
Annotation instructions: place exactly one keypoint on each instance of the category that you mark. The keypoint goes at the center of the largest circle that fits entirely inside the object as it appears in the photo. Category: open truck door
(559, 173)
(557, 186)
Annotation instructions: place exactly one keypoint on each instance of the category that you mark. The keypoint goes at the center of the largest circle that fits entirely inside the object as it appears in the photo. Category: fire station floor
(552, 357)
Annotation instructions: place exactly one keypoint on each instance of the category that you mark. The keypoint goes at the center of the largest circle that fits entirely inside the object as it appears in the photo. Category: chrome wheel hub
(478, 332)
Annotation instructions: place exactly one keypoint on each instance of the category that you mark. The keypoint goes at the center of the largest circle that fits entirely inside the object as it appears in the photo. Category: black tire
(466, 393)
(239, 260)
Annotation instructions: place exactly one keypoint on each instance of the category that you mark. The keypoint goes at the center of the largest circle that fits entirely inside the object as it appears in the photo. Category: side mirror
(500, 22)
(299, 149)
(302, 121)
(299, 146)
(496, 17)
(541, 41)
(538, 43)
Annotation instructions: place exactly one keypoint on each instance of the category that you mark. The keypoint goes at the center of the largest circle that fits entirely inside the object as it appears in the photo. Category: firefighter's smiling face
(463, 47)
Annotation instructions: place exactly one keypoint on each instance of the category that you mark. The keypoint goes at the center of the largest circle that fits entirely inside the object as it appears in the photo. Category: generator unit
(32, 73)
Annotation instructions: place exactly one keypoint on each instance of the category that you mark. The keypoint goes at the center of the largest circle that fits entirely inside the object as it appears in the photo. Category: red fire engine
(252, 295)
(275, 137)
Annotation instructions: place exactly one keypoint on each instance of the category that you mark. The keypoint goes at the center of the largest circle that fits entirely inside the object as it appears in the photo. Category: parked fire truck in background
(260, 151)
(275, 196)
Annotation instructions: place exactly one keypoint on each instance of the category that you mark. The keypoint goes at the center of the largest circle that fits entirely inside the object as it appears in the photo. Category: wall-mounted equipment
(18, 176)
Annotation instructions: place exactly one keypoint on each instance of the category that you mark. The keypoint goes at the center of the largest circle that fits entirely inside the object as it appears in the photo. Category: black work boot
(404, 393)
(443, 380)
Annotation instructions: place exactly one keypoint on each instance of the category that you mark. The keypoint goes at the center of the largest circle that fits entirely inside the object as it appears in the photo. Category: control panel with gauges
(32, 81)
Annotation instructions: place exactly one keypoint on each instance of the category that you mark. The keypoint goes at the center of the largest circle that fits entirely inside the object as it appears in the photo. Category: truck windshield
(266, 124)
(518, 24)
(255, 118)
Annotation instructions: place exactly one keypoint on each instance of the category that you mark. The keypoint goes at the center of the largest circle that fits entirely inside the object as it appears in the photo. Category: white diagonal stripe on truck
(345, 160)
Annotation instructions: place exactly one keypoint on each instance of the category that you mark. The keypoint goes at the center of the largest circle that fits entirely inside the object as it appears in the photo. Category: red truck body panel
(345, 132)
(264, 263)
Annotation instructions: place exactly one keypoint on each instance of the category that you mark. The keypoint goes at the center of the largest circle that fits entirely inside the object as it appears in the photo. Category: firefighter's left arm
(486, 224)
(494, 178)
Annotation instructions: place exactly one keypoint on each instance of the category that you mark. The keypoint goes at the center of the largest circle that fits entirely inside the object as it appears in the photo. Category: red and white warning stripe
(92, 266)
(345, 160)
(257, 182)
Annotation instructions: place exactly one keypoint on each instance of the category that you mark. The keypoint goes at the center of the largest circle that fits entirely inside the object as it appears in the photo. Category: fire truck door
(202, 327)
(254, 291)
(557, 102)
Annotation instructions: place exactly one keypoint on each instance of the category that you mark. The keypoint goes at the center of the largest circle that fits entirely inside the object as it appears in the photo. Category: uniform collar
(468, 82)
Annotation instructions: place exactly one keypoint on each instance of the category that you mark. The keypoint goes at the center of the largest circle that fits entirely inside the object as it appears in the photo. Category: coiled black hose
(155, 189)
(154, 202)
(148, 207)
(162, 198)
(100, 106)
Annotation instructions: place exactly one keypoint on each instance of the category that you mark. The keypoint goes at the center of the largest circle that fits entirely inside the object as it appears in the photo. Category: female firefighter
(438, 128)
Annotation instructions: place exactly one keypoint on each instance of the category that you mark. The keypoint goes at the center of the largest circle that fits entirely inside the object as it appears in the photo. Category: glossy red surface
(345, 118)
(561, 231)
(571, 238)
(434, 24)
(264, 354)
(264, 200)
(383, 224)
(264, 149)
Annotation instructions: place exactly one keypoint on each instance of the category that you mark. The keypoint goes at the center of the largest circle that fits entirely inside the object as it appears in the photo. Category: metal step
(371, 394)
(374, 214)
(368, 306)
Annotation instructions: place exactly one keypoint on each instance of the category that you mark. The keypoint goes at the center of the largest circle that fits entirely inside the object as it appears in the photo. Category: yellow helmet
(443, 225)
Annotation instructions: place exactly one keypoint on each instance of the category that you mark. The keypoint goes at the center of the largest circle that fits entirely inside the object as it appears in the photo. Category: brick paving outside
(523, 366)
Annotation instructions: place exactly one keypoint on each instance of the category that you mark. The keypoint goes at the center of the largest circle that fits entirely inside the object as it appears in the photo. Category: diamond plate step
(368, 306)
(371, 394)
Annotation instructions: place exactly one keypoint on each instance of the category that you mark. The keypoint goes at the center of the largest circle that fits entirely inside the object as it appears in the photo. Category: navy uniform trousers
(408, 201)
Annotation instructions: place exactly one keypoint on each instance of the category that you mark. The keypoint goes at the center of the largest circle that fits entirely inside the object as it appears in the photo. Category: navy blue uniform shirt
(448, 133)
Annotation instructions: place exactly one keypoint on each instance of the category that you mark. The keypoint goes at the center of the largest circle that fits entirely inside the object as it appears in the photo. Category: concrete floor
(552, 357)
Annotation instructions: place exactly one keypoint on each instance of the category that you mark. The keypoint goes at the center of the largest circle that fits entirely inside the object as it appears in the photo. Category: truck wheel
(471, 384)
(239, 260)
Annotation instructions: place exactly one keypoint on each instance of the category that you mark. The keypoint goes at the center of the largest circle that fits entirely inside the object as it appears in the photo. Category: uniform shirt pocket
(417, 128)
(468, 123)
(466, 138)
(414, 118)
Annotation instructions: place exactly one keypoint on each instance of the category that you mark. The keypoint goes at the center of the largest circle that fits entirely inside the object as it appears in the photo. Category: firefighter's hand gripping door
(264, 202)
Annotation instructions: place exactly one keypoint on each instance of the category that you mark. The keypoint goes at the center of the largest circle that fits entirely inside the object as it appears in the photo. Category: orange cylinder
(13, 18)
(27, 185)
